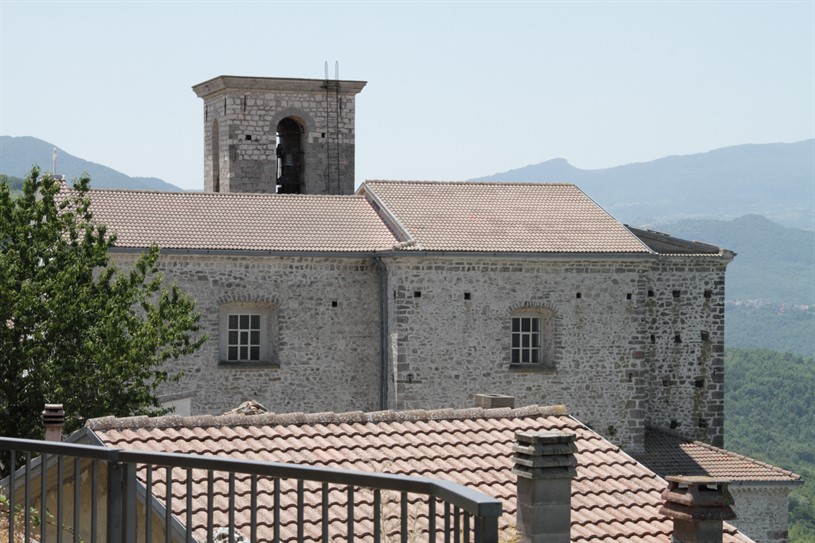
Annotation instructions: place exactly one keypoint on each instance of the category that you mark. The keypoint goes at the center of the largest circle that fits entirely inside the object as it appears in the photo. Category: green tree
(73, 329)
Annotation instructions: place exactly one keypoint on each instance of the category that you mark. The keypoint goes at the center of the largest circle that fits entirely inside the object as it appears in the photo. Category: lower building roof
(668, 453)
(614, 497)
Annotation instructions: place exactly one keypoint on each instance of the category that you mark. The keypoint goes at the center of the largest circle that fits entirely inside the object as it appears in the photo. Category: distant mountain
(776, 180)
(774, 263)
(19, 154)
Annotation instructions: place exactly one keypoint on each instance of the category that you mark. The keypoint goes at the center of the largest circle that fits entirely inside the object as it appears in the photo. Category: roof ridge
(724, 451)
(299, 418)
(464, 182)
(222, 195)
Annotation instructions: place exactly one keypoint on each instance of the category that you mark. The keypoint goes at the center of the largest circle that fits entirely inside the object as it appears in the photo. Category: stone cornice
(273, 84)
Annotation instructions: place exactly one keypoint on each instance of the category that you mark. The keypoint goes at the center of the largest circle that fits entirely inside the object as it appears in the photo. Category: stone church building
(418, 295)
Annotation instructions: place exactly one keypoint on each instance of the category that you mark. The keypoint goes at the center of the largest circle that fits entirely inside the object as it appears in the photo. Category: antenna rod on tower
(337, 70)
(326, 70)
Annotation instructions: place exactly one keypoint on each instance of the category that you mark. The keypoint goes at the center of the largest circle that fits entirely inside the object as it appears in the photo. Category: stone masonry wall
(450, 332)
(248, 165)
(615, 360)
(684, 311)
(761, 512)
(327, 332)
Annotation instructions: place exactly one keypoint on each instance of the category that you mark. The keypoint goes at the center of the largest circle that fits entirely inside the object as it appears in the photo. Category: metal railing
(81, 493)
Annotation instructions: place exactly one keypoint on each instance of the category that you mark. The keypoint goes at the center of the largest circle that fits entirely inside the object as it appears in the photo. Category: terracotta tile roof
(511, 217)
(273, 222)
(667, 453)
(614, 498)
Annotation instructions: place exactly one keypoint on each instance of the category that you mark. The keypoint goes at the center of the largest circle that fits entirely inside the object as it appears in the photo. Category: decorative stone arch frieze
(248, 297)
(533, 306)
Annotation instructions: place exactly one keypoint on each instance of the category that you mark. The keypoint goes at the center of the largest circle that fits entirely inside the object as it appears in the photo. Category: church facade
(418, 295)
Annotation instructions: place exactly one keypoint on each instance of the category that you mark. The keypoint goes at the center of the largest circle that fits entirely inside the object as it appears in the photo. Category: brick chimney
(53, 418)
(545, 466)
(492, 401)
(698, 506)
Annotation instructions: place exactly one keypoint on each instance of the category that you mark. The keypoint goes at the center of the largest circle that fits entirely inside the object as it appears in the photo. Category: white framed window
(526, 339)
(246, 334)
(532, 338)
(243, 337)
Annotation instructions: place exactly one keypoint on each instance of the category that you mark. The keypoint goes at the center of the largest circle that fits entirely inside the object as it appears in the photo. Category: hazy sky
(455, 90)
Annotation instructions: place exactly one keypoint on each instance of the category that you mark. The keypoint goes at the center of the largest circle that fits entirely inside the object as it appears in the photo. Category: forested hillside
(770, 415)
(774, 263)
(770, 285)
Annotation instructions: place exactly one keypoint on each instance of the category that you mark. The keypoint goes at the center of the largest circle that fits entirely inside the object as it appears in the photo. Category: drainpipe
(53, 418)
(383, 332)
(698, 506)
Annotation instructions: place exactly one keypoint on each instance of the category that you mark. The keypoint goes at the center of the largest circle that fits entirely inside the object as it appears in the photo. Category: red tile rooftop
(534, 218)
(504, 217)
(253, 222)
(614, 498)
(667, 453)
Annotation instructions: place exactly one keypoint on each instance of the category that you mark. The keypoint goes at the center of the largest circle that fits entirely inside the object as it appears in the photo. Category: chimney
(698, 506)
(53, 418)
(493, 401)
(545, 466)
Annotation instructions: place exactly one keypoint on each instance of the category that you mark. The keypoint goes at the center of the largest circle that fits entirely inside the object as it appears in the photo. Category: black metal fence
(81, 493)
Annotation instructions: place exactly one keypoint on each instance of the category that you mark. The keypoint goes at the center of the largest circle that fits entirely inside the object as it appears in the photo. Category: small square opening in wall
(417, 293)
(578, 295)
(673, 424)
(628, 296)
(653, 338)
(334, 303)
(677, 338)
(248, 137)
(708, 293)
(702, 423)
(699, 383)
(705, 335)
(650, 293)
(322, 134)
(466, 295)
(677, 293)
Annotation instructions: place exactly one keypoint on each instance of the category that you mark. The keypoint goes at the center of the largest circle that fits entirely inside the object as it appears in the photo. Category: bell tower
(279, 135)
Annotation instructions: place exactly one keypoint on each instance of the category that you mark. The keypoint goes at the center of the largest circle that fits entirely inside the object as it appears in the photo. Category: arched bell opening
(290, 156)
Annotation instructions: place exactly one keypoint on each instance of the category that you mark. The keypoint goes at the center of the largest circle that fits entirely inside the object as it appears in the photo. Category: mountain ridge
(19, 154)
(776, 180)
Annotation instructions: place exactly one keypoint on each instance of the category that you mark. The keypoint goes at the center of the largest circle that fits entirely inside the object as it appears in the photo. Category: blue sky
(455, 90)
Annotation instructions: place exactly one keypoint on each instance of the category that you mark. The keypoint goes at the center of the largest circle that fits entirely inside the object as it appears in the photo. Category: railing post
(121, 503)
(114, 501)
(486, 529)
(129, 503)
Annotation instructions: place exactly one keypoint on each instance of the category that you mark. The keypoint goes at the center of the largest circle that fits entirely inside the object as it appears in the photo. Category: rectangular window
(526, 340)
(243, 338)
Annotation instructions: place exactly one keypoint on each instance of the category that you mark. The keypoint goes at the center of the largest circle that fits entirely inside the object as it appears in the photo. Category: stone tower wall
(684, 311)
(243, 113)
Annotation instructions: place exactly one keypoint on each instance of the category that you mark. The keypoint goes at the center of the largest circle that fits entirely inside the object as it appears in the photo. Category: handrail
(469, 500)
(473, 502)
